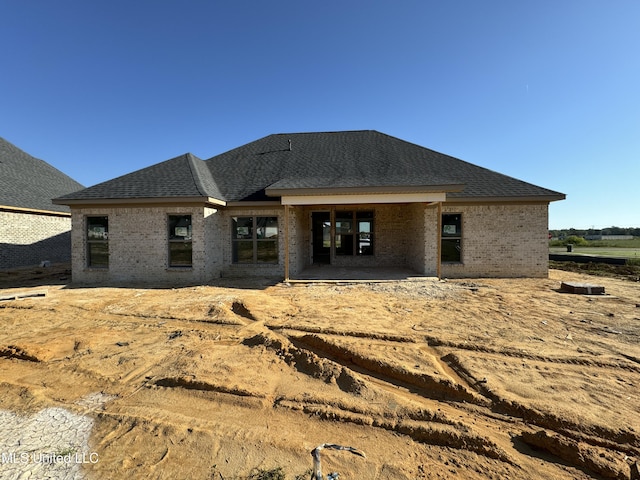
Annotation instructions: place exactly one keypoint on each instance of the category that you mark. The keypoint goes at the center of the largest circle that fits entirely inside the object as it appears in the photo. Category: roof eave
(279, 192)
(35, 211)
(137, 200)
(508, 199)
(254, 203)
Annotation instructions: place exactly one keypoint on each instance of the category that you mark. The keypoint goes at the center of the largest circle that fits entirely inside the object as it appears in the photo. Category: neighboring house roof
(29, 183)
(313, 162)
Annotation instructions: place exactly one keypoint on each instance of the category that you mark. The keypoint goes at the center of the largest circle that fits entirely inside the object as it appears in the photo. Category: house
(286, 202)
(32, 227)
(608, 237)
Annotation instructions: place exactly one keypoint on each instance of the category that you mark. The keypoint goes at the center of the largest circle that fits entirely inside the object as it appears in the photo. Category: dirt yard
(470, 379)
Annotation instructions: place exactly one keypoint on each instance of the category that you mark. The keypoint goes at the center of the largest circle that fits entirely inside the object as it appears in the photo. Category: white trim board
(346, 199)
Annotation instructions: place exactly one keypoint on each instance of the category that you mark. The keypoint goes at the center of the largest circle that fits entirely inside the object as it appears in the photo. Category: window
(451, 250)
(98, 242)
(354, 233)
(180, 242)
(254, 239)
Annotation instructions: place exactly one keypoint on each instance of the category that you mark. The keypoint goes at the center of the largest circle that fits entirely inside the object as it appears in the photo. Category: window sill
(254, 264)
(180, 269)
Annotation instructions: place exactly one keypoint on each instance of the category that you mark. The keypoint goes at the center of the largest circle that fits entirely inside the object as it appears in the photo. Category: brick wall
(501, 240)
(29, 238)
(422, 251)
(247, 270)
(393, 235)
(300, 239)
(498, 241)
(138, 246)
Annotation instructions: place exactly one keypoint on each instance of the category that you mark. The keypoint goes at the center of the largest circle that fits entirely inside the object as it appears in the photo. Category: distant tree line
(568, 232)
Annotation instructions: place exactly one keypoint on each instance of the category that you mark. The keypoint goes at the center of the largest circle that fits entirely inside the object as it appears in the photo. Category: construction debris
(317, 469)
(19, 295)
(581, 288)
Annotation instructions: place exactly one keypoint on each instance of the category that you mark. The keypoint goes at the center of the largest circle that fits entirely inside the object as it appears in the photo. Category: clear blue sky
(547, 91)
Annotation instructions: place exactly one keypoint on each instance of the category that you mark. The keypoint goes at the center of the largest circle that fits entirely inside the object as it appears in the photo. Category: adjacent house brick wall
(29, 238)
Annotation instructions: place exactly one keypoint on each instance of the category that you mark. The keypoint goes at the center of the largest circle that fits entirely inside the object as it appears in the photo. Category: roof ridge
(320, 132)
(199, 170)
(191, 159)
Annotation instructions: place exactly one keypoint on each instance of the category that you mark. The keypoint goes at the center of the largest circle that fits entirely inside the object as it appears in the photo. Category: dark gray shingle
(27, 182)
(183, 176)
(354, 159)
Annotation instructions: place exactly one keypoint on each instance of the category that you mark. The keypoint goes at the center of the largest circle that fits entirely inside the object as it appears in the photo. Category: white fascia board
(345, 199)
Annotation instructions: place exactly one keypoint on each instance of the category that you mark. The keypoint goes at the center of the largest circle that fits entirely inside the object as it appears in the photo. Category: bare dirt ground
(474, 379)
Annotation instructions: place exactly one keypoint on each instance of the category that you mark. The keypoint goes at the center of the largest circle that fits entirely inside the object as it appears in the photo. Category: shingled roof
(185, 176)
(300, 162)
(29, 183)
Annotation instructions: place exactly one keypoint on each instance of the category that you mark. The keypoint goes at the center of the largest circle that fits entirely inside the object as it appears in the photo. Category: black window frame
(180, 240)
(97, 238)
(451, 238)
(252, 230)
(353, 241)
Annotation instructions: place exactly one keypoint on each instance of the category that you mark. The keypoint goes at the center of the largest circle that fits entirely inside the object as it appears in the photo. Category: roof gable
(184, 176)
(30, 183)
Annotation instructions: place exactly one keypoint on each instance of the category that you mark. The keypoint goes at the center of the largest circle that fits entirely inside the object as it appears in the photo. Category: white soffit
(346, 199)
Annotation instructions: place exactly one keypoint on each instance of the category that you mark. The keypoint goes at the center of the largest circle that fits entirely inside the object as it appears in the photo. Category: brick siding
(501, 240)
(29, 238)
(138, 246)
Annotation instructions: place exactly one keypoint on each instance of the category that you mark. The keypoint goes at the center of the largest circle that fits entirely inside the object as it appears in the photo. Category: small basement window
(180, 241)
(451, 247)
(98, 242)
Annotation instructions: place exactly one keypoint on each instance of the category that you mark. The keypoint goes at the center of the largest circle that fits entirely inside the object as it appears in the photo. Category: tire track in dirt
(573, 450)
(19, 353)
(444, 368)
(434, 342)
(422, 426)
(173, 382)
(332, 331)
(625, 441)
(426, 384)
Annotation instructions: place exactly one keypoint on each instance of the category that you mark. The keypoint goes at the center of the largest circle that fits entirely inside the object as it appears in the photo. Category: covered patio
(361, 235)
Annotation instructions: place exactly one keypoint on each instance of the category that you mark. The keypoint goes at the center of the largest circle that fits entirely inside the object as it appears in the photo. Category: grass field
(635, 243)
(605, 248)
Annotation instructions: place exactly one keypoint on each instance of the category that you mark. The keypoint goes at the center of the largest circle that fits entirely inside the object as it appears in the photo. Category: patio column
(439, 254)
(286, 243)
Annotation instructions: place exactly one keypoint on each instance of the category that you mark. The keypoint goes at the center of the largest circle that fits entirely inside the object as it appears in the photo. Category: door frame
(312, 245)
